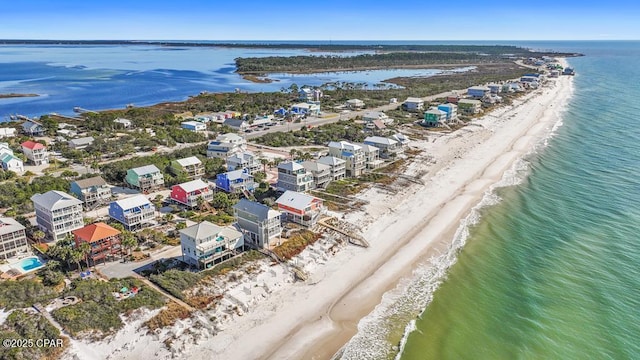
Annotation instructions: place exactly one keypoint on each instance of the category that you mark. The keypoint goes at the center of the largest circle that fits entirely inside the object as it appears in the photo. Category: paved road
(118, 269)
(313, 121)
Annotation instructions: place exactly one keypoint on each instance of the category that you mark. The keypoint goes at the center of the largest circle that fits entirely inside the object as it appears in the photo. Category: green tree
(39, 235)
(128, 240)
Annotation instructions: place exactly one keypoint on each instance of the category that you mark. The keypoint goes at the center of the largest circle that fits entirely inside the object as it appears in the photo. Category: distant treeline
(479, 49)
(297, 64)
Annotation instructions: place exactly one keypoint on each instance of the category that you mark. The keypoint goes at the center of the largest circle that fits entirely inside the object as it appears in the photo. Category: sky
(319, 20)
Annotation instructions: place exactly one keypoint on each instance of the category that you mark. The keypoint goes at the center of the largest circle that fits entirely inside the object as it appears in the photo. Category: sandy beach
(314, 320)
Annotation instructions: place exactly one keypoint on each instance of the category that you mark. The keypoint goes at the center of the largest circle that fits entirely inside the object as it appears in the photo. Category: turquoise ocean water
(548, 265)
(553, 270)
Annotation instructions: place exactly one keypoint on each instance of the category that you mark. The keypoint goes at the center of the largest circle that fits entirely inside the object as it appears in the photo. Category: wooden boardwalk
(166, 294)
(354, 239)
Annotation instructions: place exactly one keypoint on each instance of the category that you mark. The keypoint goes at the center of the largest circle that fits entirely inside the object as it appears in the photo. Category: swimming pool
(29, 264)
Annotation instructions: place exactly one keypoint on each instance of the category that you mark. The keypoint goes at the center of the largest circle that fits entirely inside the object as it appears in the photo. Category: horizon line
(314, 40)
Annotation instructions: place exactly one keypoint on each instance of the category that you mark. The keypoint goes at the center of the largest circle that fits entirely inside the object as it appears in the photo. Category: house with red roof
(104, 241)
(35, 152)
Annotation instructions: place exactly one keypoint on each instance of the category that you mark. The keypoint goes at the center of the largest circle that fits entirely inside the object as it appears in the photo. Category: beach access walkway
(354, 238)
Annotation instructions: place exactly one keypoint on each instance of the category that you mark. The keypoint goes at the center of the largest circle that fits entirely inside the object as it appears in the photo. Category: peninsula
(346, 199)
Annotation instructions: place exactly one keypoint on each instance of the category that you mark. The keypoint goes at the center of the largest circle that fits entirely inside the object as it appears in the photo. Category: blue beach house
(236, 181)
(133, 213)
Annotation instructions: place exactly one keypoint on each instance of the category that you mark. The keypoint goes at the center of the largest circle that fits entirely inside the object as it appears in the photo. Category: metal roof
(344, 145)
(9, 225)
(54, 200)
(193, 185)
(331, 160)
(315, 166)
(206, 229)
(189, 161)
(291, 166)
(144, 170)
(296, 200)
(134, 201)
(94, 181)
(380, 140)
(261, 211)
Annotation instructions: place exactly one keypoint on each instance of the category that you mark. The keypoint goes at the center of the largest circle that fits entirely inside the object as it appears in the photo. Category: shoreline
(317, 320)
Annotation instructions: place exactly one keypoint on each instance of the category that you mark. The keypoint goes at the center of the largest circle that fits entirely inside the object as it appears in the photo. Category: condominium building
(321, 173)
(225, 145)
(259, 223)
(293, 176)
(13, 240)
(337, 166)
(352, 154)
(57, 213)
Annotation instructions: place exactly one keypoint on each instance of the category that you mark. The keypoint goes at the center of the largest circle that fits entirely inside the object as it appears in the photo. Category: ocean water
(550, 267)
(98, 77)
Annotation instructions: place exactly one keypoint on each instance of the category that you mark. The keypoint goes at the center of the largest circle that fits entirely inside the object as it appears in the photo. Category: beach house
(469, 106)
(336, 165)
(13, 239)
(145, 178)
(7, 132)
(350, 153)
(190, 167)
(80, 143)
(372, 116)
(321, 173)
(402, 139)
(300, 208)
(189, 193)
(244, 160)
(35, 152)
(134, 212)
(194, 126)
(452, 98)
(355, 104)
(478, 92)
(9, 161)
(206, 244)
(433, 117)
(237, 124)
(92, 191)
(123, 123)
(308, 94)
(413, 104)
(225, 145)
(305, 109)
(451, 110)
(293, 176)
(103, 240)
(33, 128)
(495, 88)
(389, 148)
(259, 223)
(371, 157)
(57, 213)
(236, 181)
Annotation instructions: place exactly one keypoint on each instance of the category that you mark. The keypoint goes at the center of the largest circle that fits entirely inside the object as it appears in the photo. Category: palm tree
(128, 240)
(293, 153)
(264, 163)
(39, 235)
(83, 249)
